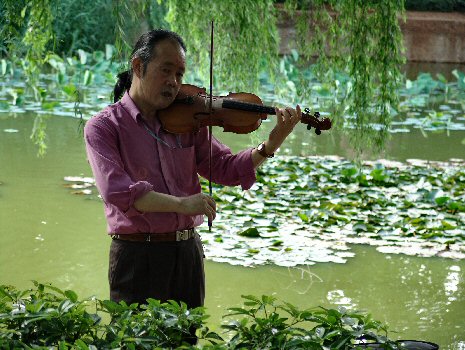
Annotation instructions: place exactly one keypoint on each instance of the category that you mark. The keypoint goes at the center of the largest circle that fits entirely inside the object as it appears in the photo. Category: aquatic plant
(309, 210)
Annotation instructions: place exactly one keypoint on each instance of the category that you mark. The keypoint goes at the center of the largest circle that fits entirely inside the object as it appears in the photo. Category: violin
(240, 113)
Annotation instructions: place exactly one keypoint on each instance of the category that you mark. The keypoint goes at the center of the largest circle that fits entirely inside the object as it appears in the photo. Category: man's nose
(172, 81)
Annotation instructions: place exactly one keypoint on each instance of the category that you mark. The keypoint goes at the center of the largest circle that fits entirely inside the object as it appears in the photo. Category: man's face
(163, 77)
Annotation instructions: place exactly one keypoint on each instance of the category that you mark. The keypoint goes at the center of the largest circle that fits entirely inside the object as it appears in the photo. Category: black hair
(144, 49)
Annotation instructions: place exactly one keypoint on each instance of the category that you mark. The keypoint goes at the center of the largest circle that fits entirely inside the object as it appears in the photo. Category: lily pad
(314, 209)
(250, 232)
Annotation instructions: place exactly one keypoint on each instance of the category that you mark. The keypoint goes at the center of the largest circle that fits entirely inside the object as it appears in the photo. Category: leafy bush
(76, 25)
(164, 325)
(45, 317)
(263, 327)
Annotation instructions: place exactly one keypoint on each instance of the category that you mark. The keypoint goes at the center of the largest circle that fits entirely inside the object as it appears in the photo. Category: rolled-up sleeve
(113, 183)
(227, 168)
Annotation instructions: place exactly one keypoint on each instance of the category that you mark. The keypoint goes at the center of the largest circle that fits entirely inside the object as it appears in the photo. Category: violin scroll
(315, 121)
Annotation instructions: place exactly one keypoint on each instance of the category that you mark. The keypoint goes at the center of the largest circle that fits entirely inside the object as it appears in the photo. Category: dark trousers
(162, 270)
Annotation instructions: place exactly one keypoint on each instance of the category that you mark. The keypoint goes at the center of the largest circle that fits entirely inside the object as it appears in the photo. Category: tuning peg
(307, 110)
(317, 115)
(317, 131)
(309, 126)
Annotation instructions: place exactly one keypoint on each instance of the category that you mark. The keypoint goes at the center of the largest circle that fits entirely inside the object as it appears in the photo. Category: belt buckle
(182, 235)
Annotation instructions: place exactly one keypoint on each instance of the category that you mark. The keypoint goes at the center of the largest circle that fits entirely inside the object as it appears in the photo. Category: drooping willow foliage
(357, 37)
(26, 31)
(363, 39)
(245, 38)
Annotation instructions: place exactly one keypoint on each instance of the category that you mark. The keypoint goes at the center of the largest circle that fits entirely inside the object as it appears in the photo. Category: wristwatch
(261, 150)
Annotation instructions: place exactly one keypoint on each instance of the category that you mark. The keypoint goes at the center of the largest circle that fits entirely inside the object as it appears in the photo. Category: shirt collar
(130, 106)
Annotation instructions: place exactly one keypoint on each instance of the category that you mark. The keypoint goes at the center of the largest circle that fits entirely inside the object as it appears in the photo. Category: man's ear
(137, 67)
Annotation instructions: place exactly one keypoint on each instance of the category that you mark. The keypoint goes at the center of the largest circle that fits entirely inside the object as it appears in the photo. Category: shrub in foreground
(46, 317)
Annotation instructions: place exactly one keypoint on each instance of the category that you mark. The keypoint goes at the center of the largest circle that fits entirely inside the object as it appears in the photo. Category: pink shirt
(127, 162)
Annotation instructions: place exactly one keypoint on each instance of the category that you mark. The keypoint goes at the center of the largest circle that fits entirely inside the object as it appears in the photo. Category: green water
(49, 235)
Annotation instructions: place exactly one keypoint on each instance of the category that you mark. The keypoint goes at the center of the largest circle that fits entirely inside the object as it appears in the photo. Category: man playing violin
(148, 178)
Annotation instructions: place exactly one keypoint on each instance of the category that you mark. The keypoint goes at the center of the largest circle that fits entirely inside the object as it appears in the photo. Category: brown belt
(181, 235)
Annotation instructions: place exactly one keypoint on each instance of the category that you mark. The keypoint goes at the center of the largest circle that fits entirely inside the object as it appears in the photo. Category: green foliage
(250, 232)
(124, 11)
(61, 81)
(12, 25)
(45, 317)
(88, 78)
(155, 324)
(82, 24)
(245, 39)
(379, 176)
(364, 40)
(306, 210)
(26, 33)
(358, 46)
(264, 327)
(35, 28)
(39, 135)
(29, 30)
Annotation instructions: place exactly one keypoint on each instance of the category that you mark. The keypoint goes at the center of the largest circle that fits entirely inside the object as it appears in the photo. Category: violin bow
(210, 128)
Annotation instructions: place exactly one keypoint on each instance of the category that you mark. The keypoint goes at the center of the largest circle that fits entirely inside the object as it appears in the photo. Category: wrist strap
(262, 151)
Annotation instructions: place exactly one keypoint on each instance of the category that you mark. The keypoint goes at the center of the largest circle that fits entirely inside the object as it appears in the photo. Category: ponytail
(123, 84)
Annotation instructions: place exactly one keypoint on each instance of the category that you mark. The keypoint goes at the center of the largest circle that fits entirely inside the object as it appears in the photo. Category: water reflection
(451, 285)
(405, 292)
(431, 304)
(337, 297)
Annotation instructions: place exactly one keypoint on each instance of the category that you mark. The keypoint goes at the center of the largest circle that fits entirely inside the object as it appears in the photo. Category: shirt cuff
(136, 191)
(247, 176)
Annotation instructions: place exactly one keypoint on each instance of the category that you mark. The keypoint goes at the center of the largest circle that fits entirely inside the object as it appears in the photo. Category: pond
(49, 235)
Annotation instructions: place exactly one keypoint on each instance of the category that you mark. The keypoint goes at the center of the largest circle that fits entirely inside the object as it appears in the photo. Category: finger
(210, 212)
(296, 115)
(213, 214)
(291, 111)
(209, 216)
(295, 112)
(285, 115)
(279, 115)
(299, 111)
(211, 207)
(210, 201)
